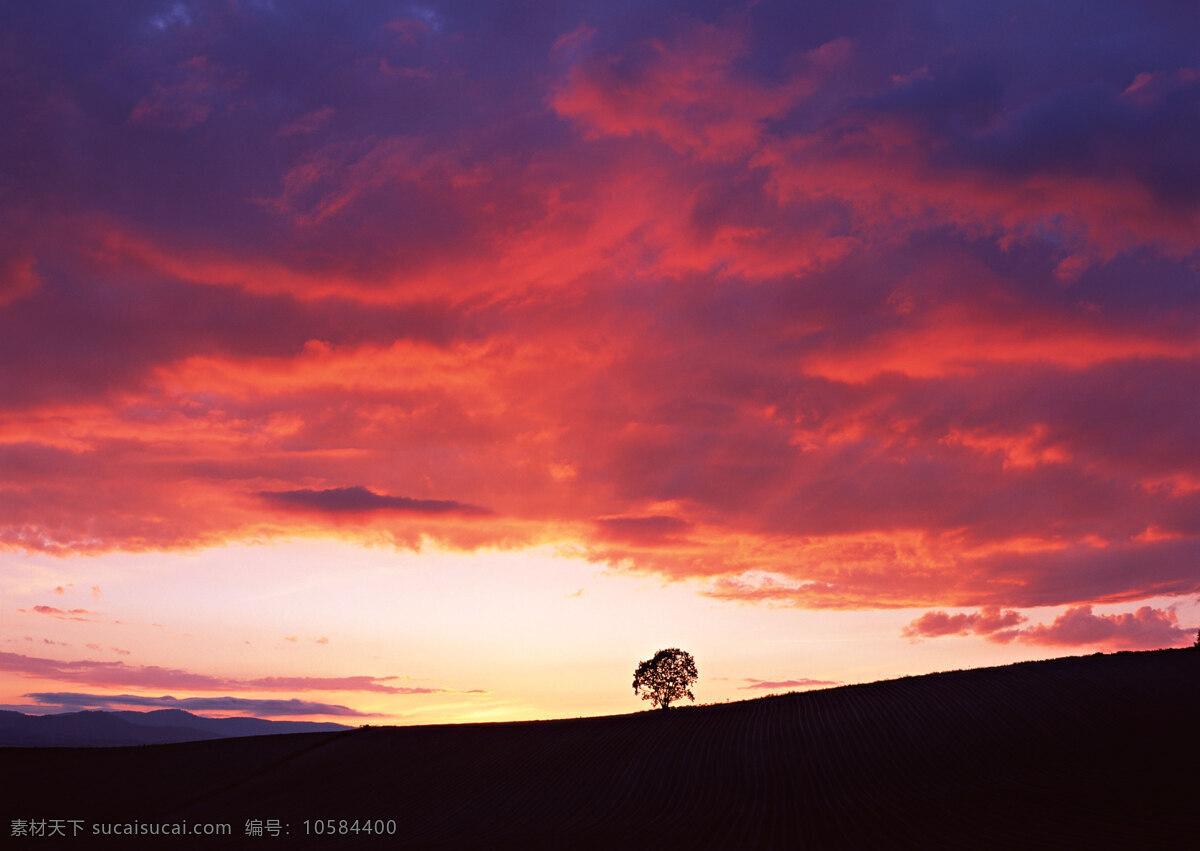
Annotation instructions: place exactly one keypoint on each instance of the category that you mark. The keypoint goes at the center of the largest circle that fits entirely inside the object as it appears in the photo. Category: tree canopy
(666, 678)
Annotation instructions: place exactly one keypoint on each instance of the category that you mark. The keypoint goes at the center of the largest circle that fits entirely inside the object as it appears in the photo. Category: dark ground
(1085, 752)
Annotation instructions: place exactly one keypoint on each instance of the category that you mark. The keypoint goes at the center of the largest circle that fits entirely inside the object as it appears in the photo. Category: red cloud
(1145, 629)
(955, 342)
(686, 91)
(61, 614)
(374, 684)
(917, 571)
(307, 123)
(803, 682)
(985, 622)
(18, 276)
(831, 326)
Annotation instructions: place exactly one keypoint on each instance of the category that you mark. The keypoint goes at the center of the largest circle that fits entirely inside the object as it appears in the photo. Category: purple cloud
(360, 499)
(647, 529)
(240, 705)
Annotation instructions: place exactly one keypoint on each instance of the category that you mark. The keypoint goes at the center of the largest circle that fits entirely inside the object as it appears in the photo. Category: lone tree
(666, 677)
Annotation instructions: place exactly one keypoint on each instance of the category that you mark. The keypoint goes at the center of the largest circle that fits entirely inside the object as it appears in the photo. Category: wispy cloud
(118, 673)
(239, 705)
(61, 614)
(776, 685)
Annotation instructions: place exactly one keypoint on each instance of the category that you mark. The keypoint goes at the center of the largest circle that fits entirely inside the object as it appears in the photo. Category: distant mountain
(116, 729)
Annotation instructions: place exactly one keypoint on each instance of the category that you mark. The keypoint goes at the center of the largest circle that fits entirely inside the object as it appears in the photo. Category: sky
(390, 362)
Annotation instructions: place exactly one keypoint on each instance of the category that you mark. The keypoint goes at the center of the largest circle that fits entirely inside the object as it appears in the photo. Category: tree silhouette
(1196, 644)
(666, 677)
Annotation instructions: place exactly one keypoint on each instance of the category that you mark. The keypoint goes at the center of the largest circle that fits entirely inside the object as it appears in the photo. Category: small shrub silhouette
(666, 678)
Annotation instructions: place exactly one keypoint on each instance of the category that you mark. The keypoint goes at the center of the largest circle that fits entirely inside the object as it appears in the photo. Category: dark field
(1097, 751)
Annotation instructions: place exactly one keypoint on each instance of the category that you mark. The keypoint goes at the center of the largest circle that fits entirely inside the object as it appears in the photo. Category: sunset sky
(389, 362)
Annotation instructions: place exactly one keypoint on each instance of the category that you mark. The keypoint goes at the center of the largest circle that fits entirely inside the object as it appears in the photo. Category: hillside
(1075, 752)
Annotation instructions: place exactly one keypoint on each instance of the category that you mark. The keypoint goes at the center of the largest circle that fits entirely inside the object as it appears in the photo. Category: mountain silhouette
(92, 728)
